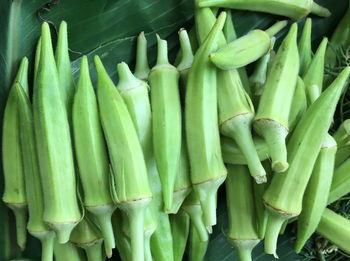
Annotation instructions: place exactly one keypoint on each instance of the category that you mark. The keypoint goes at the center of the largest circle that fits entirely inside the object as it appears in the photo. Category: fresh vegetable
(197, 247)
(141, 67)
(340, 183)
(180, 226)
(299, 104)
(304, 47)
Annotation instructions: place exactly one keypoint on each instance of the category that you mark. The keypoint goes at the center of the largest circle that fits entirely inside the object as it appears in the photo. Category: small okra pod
(68, 251)
(203, 141)
(284, 196)
(87, 236)
(193, 208)
(313, 78)
(294, 10)
(197, 247)
(141, 67)
(336, 229)
(342, 135)
(304, 47)
(14, 186)
(340, 183)
(92, 158)
(299, 104)
(233, 155)
(260, 209)
(166, 117)
(53, 140)
(64, 68)
(33, 187)
(230, 35)
(246, 49)
(242, 231)
(271, 120)
(316, 193)
(180, 227)
(130, 182)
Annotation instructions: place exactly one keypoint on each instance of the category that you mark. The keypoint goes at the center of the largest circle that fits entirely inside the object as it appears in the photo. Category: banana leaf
(109, 28)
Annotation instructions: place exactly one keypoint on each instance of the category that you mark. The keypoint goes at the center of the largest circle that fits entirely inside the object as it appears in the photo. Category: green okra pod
(242, 231)
(197, 247)
(336, 229)
(299, 104)
(37, 59)
(294, 10)
(304, 47)
(166, 117)
(284, 196)
(141, 67)
(130, 186)
(180, 227)
(340, 183)
(92, 156)
(87, 236)
(271, 120)
(68, 251)
(64, 68)
(207, 168)
(34, 191)
(14, 186)
(53, 140)
(316, 193)
(233, 155)
(246, 49)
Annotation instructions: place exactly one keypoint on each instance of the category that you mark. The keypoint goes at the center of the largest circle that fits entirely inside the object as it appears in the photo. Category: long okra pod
(53, 141)
(246, 49)
(336, 229)
(68, 251)
(207, 168)
(14, 187)
(92, 156)
(271, 120)
(304, 47)
(294, 10)
(284, 196)
(340, 183)
(180, 227)
(316, 193)
(87, 236)
(242, 232)
(34, 190)
(141, 67)
(166, 117)
(235, 108)
(233, 155)
(130, 183)
(64, 69)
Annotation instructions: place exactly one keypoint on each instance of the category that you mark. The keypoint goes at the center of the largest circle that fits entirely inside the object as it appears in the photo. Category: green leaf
(108, 28)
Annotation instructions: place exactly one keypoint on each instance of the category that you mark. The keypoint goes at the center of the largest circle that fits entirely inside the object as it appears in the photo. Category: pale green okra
(299, 104)
(180, 227)
(92, 157)
(197, 247)
(186, 60)
(14, 186)
(304, 47)
(340, 183)
(53, 140)
(141, 67)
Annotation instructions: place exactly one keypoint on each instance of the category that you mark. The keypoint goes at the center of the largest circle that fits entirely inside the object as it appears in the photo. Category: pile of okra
(133, 168)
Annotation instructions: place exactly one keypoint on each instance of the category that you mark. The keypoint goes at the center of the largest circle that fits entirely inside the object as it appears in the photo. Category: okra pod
(284, 196)
(207, 168)
(242, 231)
(233, 155)
(271, 120)
(14, 187)
(64, 68)
(299, 104)
(166, 117)
(92, 156)
(304, 47)
(130, 187)
(87, 236)
(141, 67)
(336, 229)
(33, 187)
(52, 135)
(340, 183)
(316, 193)
(246, 49)
(180, 227)
(294, 10)
(197, 247)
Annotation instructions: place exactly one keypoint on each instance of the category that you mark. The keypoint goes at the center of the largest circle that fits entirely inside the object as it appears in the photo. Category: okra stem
(244, 248)
(319, 10)
(276, 27)
(141, 68)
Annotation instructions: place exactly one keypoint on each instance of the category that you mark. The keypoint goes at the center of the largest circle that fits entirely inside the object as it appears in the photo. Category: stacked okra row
(120, 168)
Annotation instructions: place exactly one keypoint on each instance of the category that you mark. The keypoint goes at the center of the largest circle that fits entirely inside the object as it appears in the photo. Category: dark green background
(108, 28)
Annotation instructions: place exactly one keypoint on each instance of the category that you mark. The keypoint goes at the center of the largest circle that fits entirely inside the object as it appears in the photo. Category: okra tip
(162, 54)
(276, 27)
(319, 10)
(126, 79)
